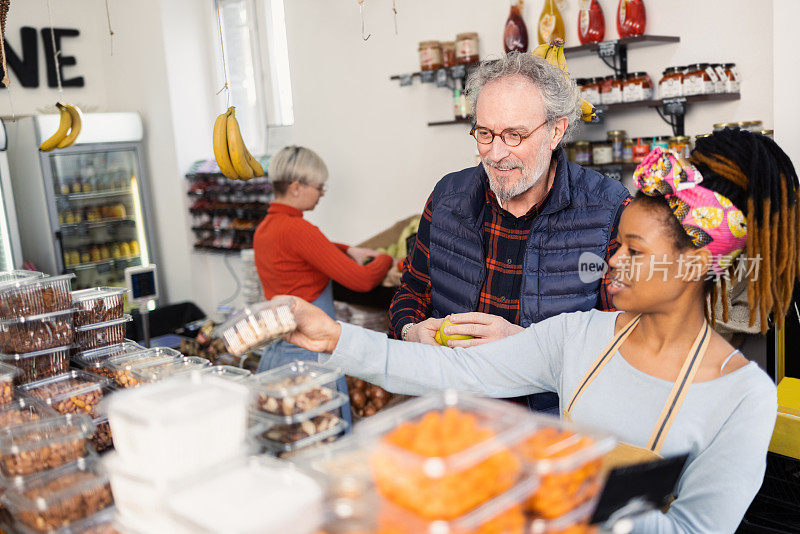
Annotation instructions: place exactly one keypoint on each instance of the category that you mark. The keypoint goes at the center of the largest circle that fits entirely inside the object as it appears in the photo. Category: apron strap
(679, 390)
(600, 362)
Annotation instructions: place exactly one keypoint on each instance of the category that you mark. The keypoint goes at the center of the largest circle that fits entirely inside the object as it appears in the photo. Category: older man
(504, 239)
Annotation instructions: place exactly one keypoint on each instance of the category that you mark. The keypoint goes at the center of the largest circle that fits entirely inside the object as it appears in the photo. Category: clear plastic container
(573, 522)
(98, 305)
(103, 522)
(242, 491)
(569, 460)
(36, 332)
(179, 426)
(342, 467)
(60, 497)
(24, 410)
(280, 439)
(40, 445)
(158, 371)
(99, 335)
(24, 293)
(136, 497)
(228, 372)
(40, 364)
(102, 439)
(446, 453)
(257, 325)
(8, 374)
(122, 365)
(95, 360)
(295, 388)
(74, 392)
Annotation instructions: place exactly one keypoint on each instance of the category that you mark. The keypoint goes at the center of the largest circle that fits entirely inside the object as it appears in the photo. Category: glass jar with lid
(583, 153)
(671, 83)
(616, 138)
(682, 145)
(722, 78)
(627, 151)
(696, 81)
(430, 55)
(590, 91)
(611, 90)
(641, 149)
(448, 54)
(751, 126)
(602, 153)
(637, 87)
(768, 133)
(700, 136)
(467, 48)
(712, 76)
(733, 78)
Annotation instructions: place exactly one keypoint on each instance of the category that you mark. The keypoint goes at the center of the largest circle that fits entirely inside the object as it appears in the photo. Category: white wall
(383, 159)
(786, 43)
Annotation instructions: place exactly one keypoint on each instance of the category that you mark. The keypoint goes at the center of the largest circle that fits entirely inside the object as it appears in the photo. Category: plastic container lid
(142, 356)
(122, 320)
(94, 357)
(311, 375)
(257, 325)
(338, 400)
(57, 388)
(159, 370)
(24, 410)
(8, 372)
(17, 356)
(16, 275)
(45, 432)
(578, 516)
(583, 444)
(95, 293)
(228, 372)
(242, 492)
(61, 314)
(278, 447)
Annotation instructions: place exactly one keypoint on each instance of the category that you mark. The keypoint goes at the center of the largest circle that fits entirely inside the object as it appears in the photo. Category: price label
(441, 78)
(459, 71)
(607, 49)
(405, 80)
(674, 106)
(427, 76)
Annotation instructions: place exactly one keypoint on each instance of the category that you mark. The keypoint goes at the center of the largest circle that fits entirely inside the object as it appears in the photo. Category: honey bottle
(551, 24)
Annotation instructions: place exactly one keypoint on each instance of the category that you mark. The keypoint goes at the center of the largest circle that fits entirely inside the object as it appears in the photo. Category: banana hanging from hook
(233, 158)
(69, 126)
(553, 52)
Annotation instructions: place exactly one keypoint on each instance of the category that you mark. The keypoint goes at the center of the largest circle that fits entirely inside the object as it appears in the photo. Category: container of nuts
(98, 305)
(8, 373)
(122, 365)
(103, 522)
(98, 335)
(43, 444)
(54, 499)
(39, 364)
(300, 403)
(102, 439)
(24, 410)
(158, 371)
(95, 360)
(257, 325)
(75, 392)
(228, 372)
(24, 293)
(36, 332)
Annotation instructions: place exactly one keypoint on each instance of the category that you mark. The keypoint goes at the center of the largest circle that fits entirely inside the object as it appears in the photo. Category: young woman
(655, 374)
(294, 258)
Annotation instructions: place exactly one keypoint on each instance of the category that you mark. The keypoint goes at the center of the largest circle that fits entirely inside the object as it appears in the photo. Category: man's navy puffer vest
(577, 217)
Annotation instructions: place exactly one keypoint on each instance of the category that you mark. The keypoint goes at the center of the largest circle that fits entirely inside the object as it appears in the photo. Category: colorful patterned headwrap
(709, 219)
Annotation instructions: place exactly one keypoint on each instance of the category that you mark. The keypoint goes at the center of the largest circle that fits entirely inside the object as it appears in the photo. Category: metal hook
(361, 9)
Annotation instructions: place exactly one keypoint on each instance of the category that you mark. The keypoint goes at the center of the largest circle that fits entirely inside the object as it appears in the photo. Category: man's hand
(360, 255)
(424, 331)
(316, 331)
(482, 326)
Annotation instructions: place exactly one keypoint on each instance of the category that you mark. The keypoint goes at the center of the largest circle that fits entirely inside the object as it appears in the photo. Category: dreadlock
(754, 173)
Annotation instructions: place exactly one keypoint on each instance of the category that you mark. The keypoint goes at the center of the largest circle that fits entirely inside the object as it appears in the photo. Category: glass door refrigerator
(10, 248)
(83, 209)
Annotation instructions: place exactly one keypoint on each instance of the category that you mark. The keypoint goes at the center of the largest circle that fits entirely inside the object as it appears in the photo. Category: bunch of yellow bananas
(233, 158)
(68, 128)
(553, 52)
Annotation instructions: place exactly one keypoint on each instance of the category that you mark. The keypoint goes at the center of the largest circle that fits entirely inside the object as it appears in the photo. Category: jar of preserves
(682, 145)
(449, 54)
(590, 91)
(637, 87)
(768, 133)
(627, 151)
(733, 80)
(722, 125)
(671, 83)
(430, 55)
(751, 126)
(722, 78)
(467, 48)
(616, 138)
(640, 150)
(611, 90)
(701, 136)
(583, 153)
(712, 75)
(602, 153)
(696, 81)
(660, 142)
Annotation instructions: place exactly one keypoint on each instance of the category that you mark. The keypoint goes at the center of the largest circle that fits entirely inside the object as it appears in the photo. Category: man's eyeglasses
(485, 136)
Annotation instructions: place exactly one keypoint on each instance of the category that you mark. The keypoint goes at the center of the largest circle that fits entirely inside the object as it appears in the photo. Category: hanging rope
(394, 10)
(225, 87)
(56, 53)
(5, 5)
(361, 10)
(110, 31)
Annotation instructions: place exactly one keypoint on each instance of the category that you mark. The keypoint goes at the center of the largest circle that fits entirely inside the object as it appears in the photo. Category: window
(257, 59)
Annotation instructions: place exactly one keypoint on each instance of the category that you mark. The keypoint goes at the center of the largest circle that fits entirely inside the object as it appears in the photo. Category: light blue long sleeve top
(724, 424)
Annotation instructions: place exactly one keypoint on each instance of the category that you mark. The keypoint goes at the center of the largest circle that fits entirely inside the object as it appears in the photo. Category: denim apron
(282, 352)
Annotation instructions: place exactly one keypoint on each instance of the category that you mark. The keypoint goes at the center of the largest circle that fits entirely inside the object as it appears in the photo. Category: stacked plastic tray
(36, 323)
(256, 326)
(299, 406)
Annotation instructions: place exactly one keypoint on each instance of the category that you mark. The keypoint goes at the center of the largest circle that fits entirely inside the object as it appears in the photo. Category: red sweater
(294, 258)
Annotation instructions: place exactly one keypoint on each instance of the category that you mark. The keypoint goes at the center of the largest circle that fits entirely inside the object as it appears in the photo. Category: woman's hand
(316, 331)
(360, 255)
(482, 326)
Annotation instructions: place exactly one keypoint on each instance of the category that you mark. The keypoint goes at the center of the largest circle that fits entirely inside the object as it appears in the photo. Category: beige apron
(625, 454)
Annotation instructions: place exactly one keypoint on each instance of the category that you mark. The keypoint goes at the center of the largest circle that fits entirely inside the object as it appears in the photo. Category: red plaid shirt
(504, 238)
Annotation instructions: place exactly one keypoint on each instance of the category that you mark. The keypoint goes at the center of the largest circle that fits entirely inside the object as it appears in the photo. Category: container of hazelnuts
(98, 305)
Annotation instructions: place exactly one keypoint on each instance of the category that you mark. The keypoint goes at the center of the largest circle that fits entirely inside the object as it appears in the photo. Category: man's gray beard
(527, 181)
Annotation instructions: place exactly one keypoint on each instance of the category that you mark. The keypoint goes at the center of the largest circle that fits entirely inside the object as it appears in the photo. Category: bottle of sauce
(515, 35)
(591, 22)
(631, 18)
(551, 25)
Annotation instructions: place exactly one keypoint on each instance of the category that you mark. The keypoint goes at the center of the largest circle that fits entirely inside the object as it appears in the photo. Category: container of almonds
(59, 497)
(8, 373)
(39, 364)
(300, 404)
(24, 410)
(257, 325)
(96, 360)
(36, 332)
(98, 305)
(98, 335)
(26, 293)
(103, 522)
(75, 392)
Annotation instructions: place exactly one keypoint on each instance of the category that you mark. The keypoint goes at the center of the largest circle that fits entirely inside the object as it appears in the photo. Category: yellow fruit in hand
(441, 338)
